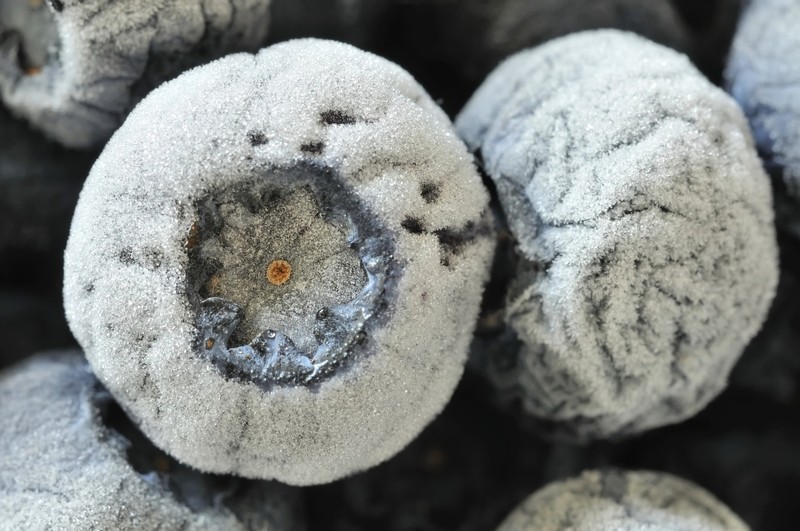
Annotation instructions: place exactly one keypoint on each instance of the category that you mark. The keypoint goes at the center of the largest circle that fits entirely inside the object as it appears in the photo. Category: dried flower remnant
(74, 68)
(279, 272)
(294, 325)
(616, 499)
(644, 226)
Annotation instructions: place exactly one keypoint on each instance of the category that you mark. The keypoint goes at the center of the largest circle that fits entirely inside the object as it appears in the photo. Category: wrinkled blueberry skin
(763, 75)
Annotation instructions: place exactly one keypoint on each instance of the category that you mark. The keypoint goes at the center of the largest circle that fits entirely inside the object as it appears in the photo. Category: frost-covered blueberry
(763, 74)
(276, 264)
(647, 257)
(625, 501)
(70, 460)
(74, 68)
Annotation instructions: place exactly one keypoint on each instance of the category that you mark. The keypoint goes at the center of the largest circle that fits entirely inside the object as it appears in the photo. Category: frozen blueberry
(647, 257)
(74, 68)
(69, 461)
(276, 264)
(625, 501)
(763, 74)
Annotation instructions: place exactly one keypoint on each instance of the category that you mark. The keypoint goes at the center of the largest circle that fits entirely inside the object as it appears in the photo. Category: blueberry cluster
(299, 290)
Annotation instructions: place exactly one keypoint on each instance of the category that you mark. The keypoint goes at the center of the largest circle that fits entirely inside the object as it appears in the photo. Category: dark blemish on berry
(257, 138)
(412, 225)
(126, 256)
(314, 148)
(336, 117)
(58, 5)
(153, 258)
(89, 288)
(430, 192)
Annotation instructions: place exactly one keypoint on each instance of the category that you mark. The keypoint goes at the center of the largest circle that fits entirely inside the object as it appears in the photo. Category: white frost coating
(131, 293)
(645, 223)
(62, 468)
(622, 501)
(763, 74)
(105, 55)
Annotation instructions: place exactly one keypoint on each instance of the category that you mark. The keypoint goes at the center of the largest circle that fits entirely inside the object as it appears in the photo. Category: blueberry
(763, 74)
(74, 69)
(72, 459)
(644, 226)
(292, 328)
(615, 499)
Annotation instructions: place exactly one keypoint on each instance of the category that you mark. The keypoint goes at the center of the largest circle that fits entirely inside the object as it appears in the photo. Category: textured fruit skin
(627, 501)
(644, 225)
(107, 55)
(55, 415)
(315, 113)
(763, 75)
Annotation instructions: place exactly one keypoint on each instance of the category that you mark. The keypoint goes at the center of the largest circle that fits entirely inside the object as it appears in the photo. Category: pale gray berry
(276, 264)
(644, 222)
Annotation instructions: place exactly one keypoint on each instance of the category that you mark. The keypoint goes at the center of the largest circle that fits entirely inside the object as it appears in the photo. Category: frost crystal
(647, 253)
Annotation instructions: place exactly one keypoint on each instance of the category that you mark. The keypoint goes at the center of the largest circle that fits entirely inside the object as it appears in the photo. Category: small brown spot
(210, 343)
(213, 285)
(192, 237)
(161, 464)
(33, 71)
(279, 272)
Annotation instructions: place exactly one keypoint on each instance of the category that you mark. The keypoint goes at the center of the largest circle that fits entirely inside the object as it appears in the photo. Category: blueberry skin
(615, 499)
(75, 68)
(763, 75)
(64, 467)
(644, 226)
(315, 153)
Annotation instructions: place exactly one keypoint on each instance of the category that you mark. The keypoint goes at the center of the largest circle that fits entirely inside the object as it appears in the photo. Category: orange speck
(212, 286)
(210, 343)
(33, 70)
(192, 237)
(279, 272)
(161, 464)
